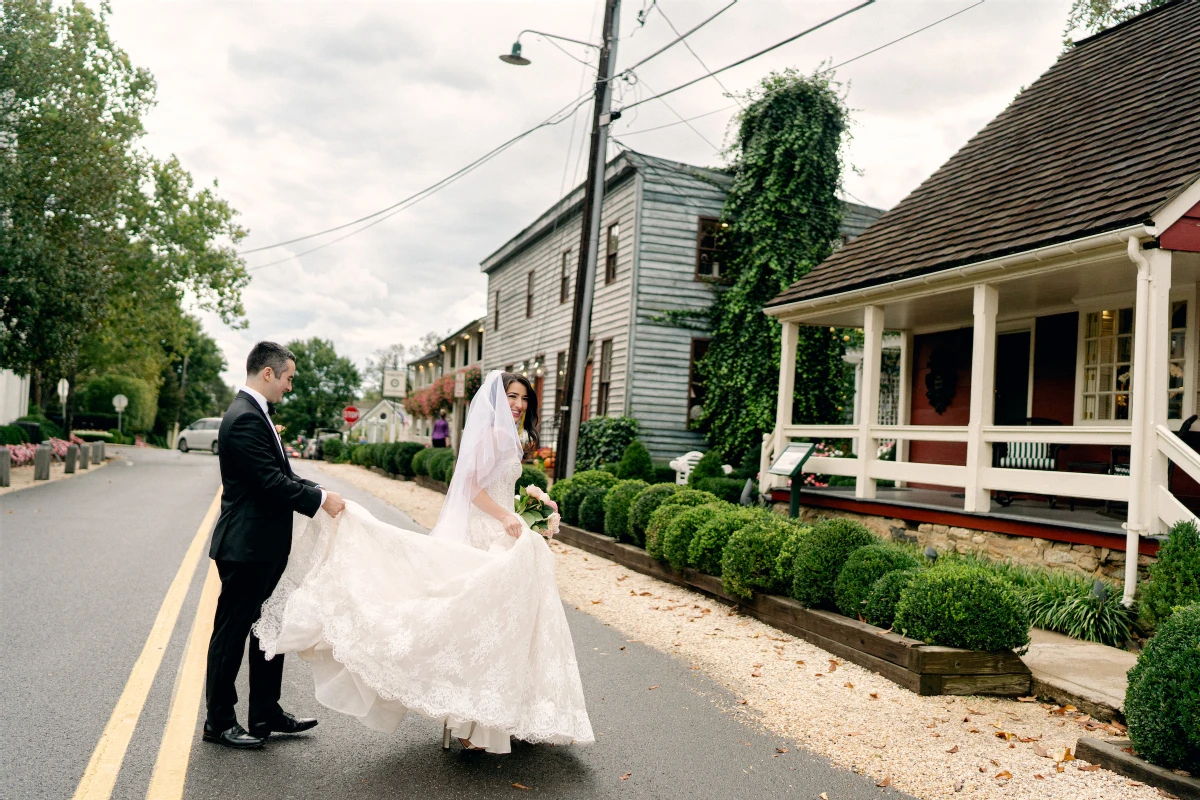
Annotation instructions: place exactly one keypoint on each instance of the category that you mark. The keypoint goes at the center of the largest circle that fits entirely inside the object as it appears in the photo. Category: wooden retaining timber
(1117, 755)
(919, 667)
(430, 483)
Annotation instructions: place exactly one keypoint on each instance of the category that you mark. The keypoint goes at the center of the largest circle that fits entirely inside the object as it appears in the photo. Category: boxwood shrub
(332, 450)
(748, 563)
(865, 566)
(533, 476)
(441, 464)
(591, 508)
(572, 495)
(645, 504)
(1162, 701)
(728, 489)
(821, 556)
(617, 504)
(635, 464)
(963, 606)
(885, 595)
(402, 458)
(13, 434)
(784, 569)
(709, 466)
(663, 473)
(708, 544)
(420, 461)
(677, 538)
(1175, 579)
(659, 520)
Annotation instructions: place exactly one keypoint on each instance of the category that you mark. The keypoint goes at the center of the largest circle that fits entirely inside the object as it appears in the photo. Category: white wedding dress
(465, 625)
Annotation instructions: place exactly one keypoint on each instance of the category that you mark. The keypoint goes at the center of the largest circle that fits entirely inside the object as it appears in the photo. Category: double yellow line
(170, 768)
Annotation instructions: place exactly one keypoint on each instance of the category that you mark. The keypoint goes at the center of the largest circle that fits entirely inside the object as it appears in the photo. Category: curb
(1117, 755)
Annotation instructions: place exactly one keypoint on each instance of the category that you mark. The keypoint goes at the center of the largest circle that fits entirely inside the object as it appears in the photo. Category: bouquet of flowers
(537, 509)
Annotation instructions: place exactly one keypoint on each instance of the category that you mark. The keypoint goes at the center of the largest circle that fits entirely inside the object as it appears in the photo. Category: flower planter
(919, 667)
(430, 483)
(1117, 755)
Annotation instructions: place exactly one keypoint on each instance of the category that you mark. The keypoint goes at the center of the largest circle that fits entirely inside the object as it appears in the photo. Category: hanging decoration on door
(942, 379)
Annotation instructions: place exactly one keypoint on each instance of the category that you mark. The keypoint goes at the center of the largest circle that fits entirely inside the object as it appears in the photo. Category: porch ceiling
(1021, 296)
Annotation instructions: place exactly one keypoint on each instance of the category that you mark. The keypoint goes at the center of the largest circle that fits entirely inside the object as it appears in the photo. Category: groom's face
(278, 385)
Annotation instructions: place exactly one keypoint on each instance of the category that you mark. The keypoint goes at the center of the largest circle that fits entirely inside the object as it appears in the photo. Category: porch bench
(1028, 455)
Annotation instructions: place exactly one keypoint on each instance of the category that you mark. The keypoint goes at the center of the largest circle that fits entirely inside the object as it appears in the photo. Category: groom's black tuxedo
(250, 545)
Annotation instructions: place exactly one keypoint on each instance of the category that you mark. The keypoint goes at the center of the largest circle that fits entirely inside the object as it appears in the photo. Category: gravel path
(931, 747)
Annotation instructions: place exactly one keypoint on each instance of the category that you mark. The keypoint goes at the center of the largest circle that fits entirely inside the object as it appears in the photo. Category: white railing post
(868, 405)
(983, 399)
(1158, 312)
(904, 412)
(785, 400)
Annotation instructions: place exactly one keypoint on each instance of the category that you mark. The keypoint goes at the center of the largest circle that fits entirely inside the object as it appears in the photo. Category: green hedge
(617, 504)
(708, 544)
(1175, 579)
(49, 430)
(645, 504)
(332, 450)
(885, 595)
(677, 539)
(664, 473)
(957, 605)
(862, 569)
(438, 464)
(636, 463)
(657, 527)
(569, 493)
(1162, 701)
(748, 563)
(420, 462)
(13, 434)
(821, 557)
(138, 417)
(786, 560)
(602, 440)
(728, 489)
(709, 466)
(591, 508)
(532, 476)
(402, 454)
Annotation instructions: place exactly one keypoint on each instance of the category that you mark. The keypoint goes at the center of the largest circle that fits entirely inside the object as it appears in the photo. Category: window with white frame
(1107, 364)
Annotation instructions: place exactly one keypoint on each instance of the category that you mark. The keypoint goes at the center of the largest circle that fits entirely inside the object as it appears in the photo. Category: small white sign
(393, 383)
(791, 459)
(64, 388)
(120, 402)
(460, 384)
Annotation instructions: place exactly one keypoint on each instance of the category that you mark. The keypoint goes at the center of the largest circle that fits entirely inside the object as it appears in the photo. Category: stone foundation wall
(1081, 559)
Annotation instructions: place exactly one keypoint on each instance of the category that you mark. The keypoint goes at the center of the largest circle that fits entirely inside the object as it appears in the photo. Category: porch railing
(1168, 507)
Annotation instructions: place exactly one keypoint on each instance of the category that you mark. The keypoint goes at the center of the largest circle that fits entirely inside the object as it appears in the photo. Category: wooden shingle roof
(1099, 142)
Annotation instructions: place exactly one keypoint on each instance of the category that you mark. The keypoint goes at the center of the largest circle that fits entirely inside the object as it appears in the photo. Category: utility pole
(179, 408)
(585, 277)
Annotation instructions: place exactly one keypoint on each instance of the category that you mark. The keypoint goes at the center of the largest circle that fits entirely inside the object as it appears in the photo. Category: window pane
(1092, 353)
(1122, 406)
(1093, 325)
(1125, 322)
(1124, 348)
(1106, 379)
(1104, 409)
(1089, 380)
(1175, 405)
(1089, 407)
(1175, 375)
(1106, 323)
(1178, 343)
(1124, 376)
(1179, 315)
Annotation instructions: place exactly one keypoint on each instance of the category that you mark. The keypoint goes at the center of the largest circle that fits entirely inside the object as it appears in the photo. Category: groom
(250, 544)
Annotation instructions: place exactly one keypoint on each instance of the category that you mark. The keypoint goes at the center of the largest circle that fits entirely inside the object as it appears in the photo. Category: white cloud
(313, 114)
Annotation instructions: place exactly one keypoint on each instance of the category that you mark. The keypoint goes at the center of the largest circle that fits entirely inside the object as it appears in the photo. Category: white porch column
(904, 397)
(773, 444)
(868, 406)
(983, 397)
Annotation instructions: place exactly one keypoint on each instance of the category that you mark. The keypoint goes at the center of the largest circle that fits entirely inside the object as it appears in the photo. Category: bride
(464, 625)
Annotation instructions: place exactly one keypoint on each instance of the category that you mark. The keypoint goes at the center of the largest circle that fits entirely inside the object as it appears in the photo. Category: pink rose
(536, 493)
(552, 525)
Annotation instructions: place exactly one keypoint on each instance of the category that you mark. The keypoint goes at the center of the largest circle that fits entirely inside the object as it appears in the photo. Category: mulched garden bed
(921, 668)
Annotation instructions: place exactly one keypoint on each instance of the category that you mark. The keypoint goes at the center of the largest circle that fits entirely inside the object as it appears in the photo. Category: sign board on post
(120, 403)
(350, 415)
(64, 388)
(790, 463)
(393, 383)
(460, 384)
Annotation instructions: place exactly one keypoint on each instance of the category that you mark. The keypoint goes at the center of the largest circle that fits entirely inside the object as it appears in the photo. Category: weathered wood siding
(547, 332)
(673, 201)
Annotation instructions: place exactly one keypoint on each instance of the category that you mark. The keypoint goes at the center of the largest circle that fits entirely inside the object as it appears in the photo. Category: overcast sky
(314, 114)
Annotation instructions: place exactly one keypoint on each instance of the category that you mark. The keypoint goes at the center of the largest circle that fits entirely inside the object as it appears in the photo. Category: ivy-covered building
(657, 274)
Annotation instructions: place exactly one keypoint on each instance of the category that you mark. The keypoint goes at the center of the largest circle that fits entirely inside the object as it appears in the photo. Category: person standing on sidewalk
(441, 430)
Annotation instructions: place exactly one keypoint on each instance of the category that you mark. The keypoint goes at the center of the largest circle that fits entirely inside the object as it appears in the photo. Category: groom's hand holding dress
(250, 545)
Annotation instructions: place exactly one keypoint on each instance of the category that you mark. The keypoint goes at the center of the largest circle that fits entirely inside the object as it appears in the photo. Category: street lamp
(593, 199)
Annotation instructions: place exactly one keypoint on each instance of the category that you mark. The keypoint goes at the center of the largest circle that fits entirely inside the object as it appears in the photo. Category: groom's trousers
(245, 586)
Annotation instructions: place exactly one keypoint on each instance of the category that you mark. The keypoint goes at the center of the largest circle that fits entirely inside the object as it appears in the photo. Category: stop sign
(350, 415)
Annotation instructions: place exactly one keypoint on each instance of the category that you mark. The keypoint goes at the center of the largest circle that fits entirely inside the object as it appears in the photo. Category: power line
(827, 69)
(699, 60)
(680, 37)
(413, 199)
(573, 106)
(695, 130)
(753, 56)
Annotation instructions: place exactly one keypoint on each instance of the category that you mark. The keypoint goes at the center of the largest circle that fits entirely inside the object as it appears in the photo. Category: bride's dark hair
(532, 417)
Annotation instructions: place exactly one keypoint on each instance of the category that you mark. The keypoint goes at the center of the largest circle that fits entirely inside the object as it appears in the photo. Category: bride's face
(518, 400)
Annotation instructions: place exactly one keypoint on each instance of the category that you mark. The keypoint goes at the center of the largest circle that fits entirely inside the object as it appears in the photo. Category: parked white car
(200, 435)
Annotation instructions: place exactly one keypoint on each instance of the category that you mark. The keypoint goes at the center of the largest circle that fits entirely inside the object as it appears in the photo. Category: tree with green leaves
(784, 217)
(324, 384)
(1093, 16)
(204, 393)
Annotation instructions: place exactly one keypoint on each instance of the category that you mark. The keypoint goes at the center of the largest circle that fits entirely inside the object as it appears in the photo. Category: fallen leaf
(1067, 755)
(1040, 776)
(819, 674)
(1030, 699)
(781, 749)
(973, 730)
(1005, 735)
(741, 702)
(973, 711)
(849, 685)
(1003, 775)
(755, 674)
(833, 665)
(958, 785)
(597, 602)
(643, 594)
(799, 662)
(1183, 773)
(1090, 768)
(874, 695)
(623, 577)
(823, 796)
(652, 688)
(520, 786)
(622, 647)
(995, 763)
(953, 749)
(1038, 750)
(936, 735)
(887, 781)
(1028, 739)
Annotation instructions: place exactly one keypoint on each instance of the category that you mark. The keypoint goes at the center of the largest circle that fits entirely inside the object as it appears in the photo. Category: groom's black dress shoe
(235, 737)
(284, 723)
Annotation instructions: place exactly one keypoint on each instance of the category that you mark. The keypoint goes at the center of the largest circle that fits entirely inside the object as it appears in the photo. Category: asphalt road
(84, 567)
